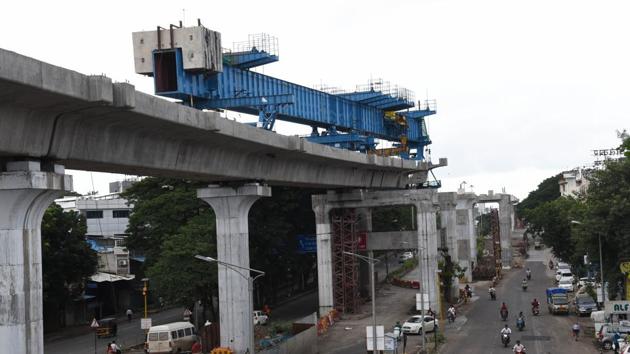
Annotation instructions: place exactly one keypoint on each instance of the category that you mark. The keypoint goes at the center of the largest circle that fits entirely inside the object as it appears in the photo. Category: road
(544, 334)
(129, 333)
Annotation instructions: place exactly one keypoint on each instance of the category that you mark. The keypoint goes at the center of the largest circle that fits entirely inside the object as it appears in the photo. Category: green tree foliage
(608, 215)
(176, 275)
(394, 218)
(484, 224)
(552, 220)
(547, 190)
(66, 258)
(161, 207)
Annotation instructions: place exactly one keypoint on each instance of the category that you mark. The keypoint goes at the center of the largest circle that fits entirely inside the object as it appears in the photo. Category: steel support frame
(345, 267)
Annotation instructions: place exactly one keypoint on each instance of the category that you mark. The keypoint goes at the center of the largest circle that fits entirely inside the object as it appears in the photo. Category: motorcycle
(450, 316)
(524, 286)
(504, 315)
(520, 324)
(505, 339)
(493, 294)
(535, 310)
(529, 276)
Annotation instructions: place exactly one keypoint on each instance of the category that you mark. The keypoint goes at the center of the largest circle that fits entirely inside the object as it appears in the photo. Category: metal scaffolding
(496, 240)
(345, 267)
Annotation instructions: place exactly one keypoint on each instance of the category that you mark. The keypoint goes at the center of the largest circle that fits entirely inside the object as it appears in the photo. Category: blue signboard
(307, 244)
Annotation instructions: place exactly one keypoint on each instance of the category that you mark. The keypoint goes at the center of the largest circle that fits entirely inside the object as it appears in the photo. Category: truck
(557, 300)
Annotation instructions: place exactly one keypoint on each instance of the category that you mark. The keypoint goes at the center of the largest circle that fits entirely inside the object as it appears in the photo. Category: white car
(564, 275)
(586, 281)
(260, 318)
(415, 324)
(405, 256)
(566, 283)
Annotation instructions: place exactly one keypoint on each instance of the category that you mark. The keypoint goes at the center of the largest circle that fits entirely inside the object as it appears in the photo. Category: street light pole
(250, 283)
(601, 260)
(371, 261)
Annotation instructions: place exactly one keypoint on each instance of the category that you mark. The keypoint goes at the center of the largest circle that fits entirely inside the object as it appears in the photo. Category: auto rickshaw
(107, 327)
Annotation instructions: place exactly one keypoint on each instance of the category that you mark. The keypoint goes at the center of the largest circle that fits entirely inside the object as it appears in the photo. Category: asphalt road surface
(544, 334)
(129, 333)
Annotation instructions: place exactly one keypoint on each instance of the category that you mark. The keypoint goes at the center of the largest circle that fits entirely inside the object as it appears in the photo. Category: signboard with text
(618, 307)
(145, 323)
(380, 337)
(307, 244)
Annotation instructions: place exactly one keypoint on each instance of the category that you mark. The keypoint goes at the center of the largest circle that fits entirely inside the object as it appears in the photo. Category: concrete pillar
(426, 209)
(231, 207)
(364, 224)
(25, 193)
(448, 218)
(466, 235)
(324, 253)
(505, 225)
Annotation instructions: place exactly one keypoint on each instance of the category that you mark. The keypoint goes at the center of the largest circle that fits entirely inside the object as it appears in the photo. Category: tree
(176, 275)
(547, 191)
(67, 260)
(608, 216)
(552, 221)
(161, 206)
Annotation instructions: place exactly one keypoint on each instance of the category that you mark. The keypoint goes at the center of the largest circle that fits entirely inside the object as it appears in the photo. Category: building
(107, 216)
(574, 182)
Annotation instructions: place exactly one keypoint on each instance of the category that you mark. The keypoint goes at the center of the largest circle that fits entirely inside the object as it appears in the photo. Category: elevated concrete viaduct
(425, 202)
(52, 117)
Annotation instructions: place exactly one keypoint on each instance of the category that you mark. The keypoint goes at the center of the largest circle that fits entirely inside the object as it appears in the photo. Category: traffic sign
(145, 323)
(95, 324)
(187, 315)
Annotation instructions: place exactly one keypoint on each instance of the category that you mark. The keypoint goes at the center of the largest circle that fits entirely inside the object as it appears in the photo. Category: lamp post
(145, 291)
(371, 262)
(601, 260)
(237, 269)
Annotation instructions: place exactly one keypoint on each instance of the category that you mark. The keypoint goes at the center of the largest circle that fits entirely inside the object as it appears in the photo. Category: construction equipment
(189, 64)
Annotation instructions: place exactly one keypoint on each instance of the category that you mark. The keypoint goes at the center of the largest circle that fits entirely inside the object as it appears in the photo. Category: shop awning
(101, 277)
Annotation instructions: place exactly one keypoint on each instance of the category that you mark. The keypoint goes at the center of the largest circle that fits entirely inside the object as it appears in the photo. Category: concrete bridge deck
(91, 123)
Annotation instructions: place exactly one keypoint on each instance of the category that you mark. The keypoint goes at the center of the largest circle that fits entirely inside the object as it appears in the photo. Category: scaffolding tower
(345, 267)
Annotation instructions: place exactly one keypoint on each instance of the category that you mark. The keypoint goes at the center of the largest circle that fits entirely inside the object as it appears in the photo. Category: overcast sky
(524, 89)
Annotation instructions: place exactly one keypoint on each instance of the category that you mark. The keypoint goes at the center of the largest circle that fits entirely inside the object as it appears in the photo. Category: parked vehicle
(107, 327)
(557, 300)
(584, 304)
(172, 337)
(404, 257)
(416, 324)
(564, 274)
(606, 332)
(586, 281)
(566, 283)
(260, 318)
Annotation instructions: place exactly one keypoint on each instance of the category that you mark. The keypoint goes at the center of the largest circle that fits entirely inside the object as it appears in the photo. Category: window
(163, 335)
(153, 337)
(120, 213)
(188, 331)
(174, 335)
(94, 214)
(180, 333)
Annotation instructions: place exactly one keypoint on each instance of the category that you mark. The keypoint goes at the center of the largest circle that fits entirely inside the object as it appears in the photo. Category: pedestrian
(129, 313)
(196, 347)
(615, 342)
(109, 348)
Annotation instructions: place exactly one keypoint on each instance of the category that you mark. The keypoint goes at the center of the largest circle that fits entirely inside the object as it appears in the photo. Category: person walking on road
(196, 348)
(129, 314)
(115, 348)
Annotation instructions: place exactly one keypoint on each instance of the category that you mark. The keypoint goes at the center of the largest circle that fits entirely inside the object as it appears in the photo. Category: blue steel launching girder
(351, 120)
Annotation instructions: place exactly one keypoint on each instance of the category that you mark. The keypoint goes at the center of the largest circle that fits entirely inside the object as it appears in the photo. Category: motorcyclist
(550, 264)
(493, 292)
(518, 347)
(529, 273)
(503, 311)
(451, 313)
(535, 305)
(576, 330)
(505, 330)
(520, 319)
(524, 283)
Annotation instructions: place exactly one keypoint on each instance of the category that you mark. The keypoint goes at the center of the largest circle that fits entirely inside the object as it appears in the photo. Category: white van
(175, 337)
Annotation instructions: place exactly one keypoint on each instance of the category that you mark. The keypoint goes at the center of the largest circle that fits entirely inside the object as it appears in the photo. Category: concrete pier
(25, 193)
(231, 207)
(466, 234)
